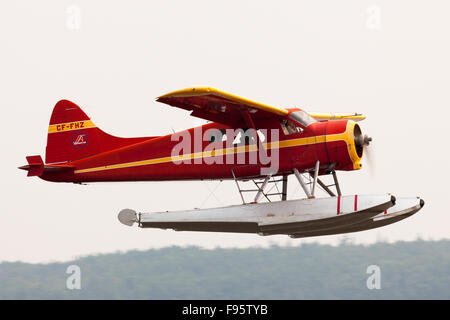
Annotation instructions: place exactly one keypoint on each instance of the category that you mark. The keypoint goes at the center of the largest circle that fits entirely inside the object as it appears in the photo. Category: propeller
(362, 144)
(369, 153)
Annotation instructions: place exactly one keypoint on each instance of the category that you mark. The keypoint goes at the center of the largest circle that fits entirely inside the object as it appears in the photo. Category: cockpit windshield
(302, 117)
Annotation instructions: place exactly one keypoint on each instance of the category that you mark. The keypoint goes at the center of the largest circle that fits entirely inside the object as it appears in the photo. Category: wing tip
(188, 92)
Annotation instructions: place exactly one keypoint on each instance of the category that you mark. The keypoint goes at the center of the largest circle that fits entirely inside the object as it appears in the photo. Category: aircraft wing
(218, 106)
(336, 116)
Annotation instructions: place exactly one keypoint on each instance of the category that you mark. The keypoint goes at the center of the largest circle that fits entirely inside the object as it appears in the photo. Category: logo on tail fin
(79, 139)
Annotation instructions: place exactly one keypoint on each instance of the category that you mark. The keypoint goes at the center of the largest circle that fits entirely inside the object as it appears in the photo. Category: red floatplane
(243, 141)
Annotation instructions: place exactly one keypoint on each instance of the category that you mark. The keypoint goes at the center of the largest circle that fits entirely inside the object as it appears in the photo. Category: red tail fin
(73, 136)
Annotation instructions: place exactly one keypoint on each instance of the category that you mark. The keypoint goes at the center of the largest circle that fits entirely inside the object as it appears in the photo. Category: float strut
(302, 183)
(316, 173)
(336, 183)
(284, 190)
(261, 189)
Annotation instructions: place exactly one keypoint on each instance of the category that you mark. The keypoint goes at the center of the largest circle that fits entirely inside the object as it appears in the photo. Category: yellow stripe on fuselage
(70, 126)
(219, 152)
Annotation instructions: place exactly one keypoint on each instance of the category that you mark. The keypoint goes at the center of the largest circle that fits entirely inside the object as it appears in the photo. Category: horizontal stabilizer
(36, 166)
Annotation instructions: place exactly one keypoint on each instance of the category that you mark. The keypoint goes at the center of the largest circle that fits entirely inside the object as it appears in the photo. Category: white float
(292, 217)
(403, 208)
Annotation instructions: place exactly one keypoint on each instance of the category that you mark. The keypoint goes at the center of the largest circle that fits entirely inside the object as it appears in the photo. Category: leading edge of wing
(204, 91)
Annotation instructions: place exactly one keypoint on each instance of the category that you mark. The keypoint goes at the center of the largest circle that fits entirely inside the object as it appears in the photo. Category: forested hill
(402, 270)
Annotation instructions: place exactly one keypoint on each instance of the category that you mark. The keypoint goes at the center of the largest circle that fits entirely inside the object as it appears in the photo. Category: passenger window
(217, 135)
(244, 137)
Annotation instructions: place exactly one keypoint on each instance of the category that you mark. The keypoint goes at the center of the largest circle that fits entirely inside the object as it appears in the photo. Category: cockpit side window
(289, 127)
(302, 118)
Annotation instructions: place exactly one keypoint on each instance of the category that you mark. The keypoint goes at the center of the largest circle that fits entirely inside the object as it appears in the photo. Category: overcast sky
(386, 59)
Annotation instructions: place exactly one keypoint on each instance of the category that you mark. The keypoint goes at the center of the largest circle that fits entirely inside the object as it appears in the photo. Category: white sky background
(386, 59)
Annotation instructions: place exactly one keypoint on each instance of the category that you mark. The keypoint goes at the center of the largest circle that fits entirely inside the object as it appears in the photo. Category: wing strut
(249, 121)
